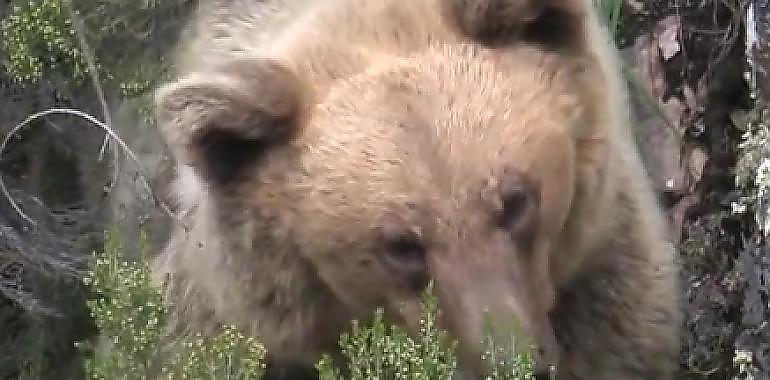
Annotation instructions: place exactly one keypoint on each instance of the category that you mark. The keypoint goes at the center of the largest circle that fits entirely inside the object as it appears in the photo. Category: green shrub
(379, 352)
(128, 311)
(508, 361)
(229, 355)
(130, 314)
(39, 38)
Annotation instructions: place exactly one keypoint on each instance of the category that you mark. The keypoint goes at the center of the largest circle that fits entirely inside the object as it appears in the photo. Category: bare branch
(93, 72)
(94, 121)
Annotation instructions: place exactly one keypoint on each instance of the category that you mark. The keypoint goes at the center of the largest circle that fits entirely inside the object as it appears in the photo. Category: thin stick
(93, 72)
(94, 121)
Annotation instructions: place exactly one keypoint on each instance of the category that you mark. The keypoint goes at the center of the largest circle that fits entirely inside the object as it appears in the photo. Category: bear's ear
(222, 120)
(552, 24)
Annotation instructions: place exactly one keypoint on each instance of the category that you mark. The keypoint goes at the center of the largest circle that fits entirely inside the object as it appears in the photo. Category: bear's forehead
(441, 115)
(460, 94)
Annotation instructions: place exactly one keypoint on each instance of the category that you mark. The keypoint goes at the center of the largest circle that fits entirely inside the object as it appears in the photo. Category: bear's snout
(486, 298)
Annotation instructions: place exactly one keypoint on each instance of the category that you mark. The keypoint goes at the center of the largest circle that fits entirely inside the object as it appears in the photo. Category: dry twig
(93, 72)
(94, 121)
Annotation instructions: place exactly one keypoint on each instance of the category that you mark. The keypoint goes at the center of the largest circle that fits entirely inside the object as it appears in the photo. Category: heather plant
(47, 40)
(379, 351)
(230, 356)
(39, 39)
(508, 359)
(130, 313)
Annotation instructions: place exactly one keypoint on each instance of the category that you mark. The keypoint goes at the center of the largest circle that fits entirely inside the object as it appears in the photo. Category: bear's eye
(516, 204)
(518, 208)
(405, 252)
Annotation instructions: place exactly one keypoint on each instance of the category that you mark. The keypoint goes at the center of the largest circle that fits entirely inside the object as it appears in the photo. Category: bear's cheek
(356, 278)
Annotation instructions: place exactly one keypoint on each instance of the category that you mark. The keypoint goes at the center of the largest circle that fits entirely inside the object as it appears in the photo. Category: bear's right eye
(515, 204)
(519, 206)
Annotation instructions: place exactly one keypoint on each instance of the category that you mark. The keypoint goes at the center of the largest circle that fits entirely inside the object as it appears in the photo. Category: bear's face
(454, 165)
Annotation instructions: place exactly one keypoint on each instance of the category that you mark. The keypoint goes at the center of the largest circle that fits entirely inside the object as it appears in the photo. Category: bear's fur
(334, 156)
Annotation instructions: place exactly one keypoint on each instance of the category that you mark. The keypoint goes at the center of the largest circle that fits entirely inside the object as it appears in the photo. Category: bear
(337, 156)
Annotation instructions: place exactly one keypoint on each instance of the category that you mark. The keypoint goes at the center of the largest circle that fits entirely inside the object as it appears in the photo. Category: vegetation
(106, 43)
(388, 352)
(610, 12)
(40, 39)
(130, 313)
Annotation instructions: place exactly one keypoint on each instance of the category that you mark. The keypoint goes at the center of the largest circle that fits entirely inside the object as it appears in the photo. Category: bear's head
(458, 164)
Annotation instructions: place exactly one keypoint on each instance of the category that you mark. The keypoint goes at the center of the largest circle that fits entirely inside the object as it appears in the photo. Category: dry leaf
(668, 37)
(696, 161)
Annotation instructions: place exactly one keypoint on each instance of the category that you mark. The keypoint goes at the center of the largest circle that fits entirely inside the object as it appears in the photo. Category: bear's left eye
(405, 252)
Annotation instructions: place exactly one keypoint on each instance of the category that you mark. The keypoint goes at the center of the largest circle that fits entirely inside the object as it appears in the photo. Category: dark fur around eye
(225, 154)
(405, 254)
(519, 207)
(406, 251)
(515, 208)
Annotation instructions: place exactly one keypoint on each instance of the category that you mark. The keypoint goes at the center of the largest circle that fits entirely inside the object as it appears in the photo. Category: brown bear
(335, 156)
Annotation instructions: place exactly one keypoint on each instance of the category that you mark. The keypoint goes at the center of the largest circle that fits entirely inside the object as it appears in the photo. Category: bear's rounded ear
(222, 120)
(552, 24)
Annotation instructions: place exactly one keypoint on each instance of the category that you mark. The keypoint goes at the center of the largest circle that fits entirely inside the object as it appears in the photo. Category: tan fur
(309, 133)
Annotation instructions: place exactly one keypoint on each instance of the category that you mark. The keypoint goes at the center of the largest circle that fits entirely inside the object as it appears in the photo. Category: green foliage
(141, 80)
(379, 352)
(507, 361)
(130, 313)
(128, 310)
(610, 13)
(229, 355)
(125, 35)
(39, 39)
